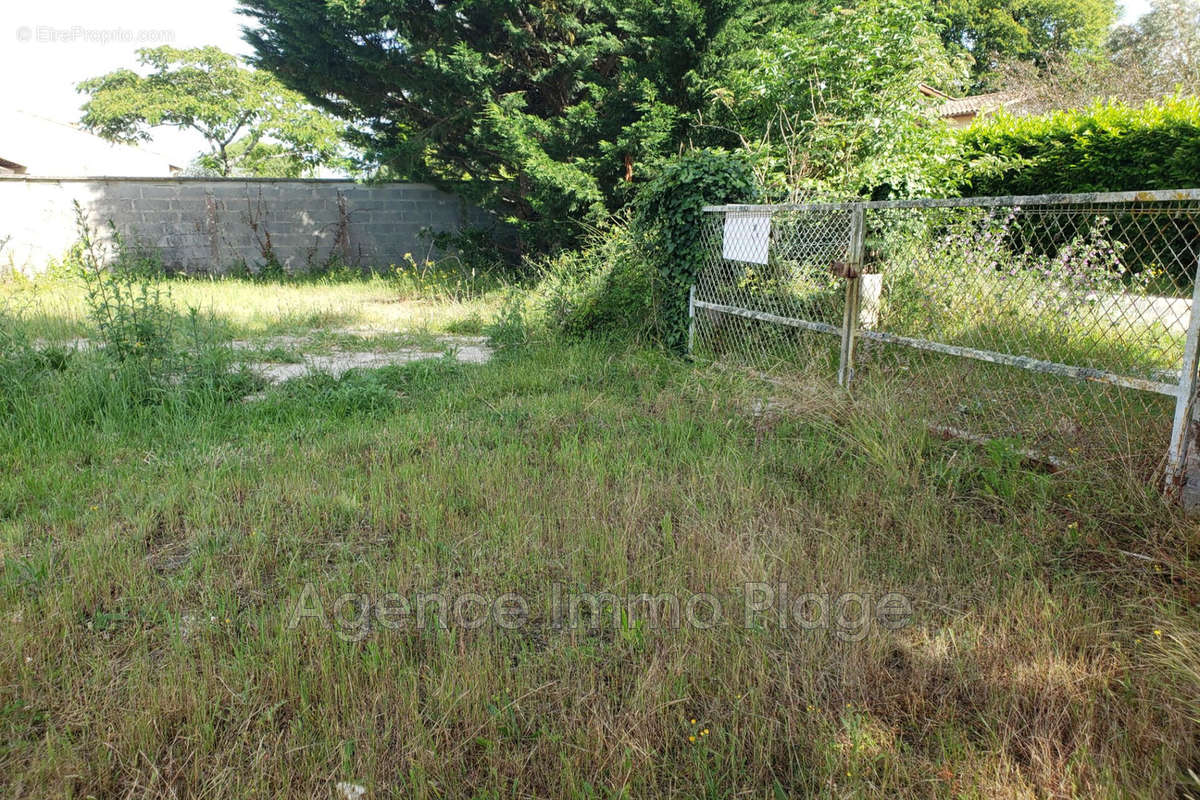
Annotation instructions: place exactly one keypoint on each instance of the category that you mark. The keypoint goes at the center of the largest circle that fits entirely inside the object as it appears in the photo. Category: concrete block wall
(215, 225)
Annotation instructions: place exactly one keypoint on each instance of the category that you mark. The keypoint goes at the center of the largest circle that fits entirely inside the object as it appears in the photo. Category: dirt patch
(77, 343)
(468, 350)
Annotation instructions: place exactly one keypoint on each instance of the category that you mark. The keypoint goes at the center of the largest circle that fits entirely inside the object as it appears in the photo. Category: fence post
(1190, 478)
(1177, 453)
(691, 318)
(853, 295)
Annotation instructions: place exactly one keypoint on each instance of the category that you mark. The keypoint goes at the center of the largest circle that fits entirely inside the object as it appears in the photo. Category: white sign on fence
(747, 236)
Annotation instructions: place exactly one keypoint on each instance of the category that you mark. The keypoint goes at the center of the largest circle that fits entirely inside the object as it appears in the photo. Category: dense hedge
(1104, 148)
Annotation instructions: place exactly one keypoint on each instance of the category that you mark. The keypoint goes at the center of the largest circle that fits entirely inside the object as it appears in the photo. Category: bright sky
(48, 46)
(51, 45)
(1134, 9)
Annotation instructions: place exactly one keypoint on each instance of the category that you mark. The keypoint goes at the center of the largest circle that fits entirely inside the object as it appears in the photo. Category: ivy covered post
(669, 218)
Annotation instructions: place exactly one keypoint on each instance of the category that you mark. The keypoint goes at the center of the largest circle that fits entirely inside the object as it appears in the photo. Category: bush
(146, 354)
(1104, 148)
(606, 288)
(509, 330)
(632, 278)
(669, 226)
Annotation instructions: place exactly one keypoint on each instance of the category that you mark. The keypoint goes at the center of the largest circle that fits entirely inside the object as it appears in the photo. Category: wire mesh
(1060, 322)
(783, 304)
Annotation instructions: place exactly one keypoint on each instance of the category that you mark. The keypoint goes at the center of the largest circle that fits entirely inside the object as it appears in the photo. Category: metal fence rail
(1065, 319)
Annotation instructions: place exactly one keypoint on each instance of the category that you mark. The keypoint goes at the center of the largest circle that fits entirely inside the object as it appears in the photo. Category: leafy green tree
(544, 111)
(997, 31)
(831, 99)
(253, 124)
(1163, 46)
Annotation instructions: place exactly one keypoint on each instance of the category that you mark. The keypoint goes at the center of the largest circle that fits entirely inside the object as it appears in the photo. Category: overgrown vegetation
(154, 556)
(451, 279)
(827, 102)
(1032, 31)
(631, 279)
(203, 574)
(607, 288)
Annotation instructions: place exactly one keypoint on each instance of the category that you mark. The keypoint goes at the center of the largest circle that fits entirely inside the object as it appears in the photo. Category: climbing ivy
(669, 220)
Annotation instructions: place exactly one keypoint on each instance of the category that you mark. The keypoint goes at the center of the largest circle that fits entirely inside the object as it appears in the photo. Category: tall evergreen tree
(544, 111)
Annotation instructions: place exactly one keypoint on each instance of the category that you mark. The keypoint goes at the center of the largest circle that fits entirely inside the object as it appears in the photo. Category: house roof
(978, 104)
(33, 145)
(969, 106)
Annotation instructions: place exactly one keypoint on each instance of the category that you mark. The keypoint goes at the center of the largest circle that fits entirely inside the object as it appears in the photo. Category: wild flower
(1009, 265)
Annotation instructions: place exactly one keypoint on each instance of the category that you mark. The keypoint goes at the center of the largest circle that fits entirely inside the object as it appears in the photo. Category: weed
(451, 280)
(509, 329)
(606, 289)
(131, 315)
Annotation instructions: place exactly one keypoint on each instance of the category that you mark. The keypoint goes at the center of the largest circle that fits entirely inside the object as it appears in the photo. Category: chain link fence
(1064, 322)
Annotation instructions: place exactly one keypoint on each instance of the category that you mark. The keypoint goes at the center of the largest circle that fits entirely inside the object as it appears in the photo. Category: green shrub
(606, 288)
(826, 98)
(1104, 148)
(631, 278)
(146, 356)
(509, 330)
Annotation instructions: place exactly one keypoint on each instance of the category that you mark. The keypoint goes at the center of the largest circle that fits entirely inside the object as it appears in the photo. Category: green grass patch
(155, 545)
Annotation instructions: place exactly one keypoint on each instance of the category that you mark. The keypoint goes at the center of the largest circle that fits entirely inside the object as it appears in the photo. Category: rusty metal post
(853, 295)
(691, 319)
(1190, 493)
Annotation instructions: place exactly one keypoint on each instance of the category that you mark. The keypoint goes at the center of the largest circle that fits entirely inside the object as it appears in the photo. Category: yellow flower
(693, 722)
(1158, 633)
(704, 732)
(691, 738)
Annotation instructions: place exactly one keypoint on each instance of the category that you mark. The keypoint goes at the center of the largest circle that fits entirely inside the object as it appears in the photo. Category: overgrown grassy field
(176, 566)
